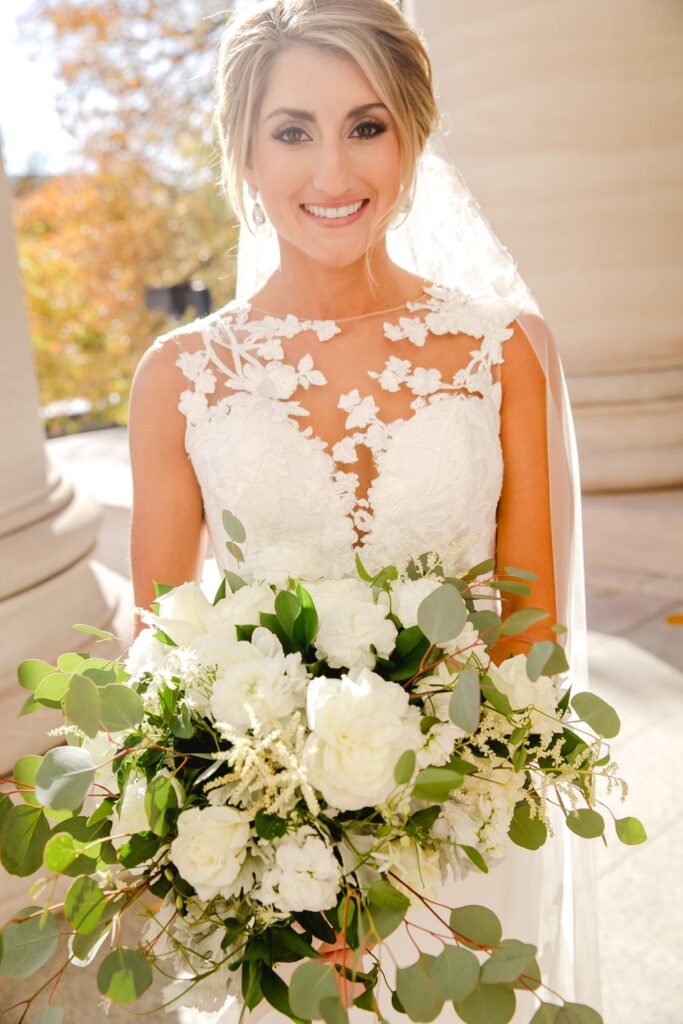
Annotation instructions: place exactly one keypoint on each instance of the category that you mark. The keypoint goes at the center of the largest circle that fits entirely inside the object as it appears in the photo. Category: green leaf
(546, 1014)
(52, 689)
(486, 622)
(493, 696)
(122, 708)
(630, 831)
(507, 962)
(465, 703)
(233, 527)
(234, 581)
(82, 704)
(84, 905)
(139, 848)
(522, 620)
(28, 942)
(93, 631)
(454, 972)
(5, 805)
(476, 926)
(31, 672)
(64, 778)
(404, 767)
(124, 975)
(417, 991)
(361, 570)
(538, 658)
(306, 624)
(480, 569)
(25, 831)
(332, 1010)
(442, 614)
(436, 783)
(557, 662)
(161, 803)
(585, 822)
(487, 1004)
(522, 574)
(577, 1013)
(62, 850)
(269, 826)
(386, 908)
(50, 1015)
(276, 991)
(309, 985)
(29, 706)
(235, 550)
(287, 608)
(511, 587)
(475, 857)
(383, 894)
(597, 713)
(531, 833)
(24, 774)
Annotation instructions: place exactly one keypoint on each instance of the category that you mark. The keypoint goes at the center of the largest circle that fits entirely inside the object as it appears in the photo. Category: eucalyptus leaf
(487, 1004)
(25, 831)
(233, 527)
(404, 767)
(235, 550)
(507, 962)
(64, 778)
(475, 857)
(82, 704)
(161, 803)
(332, 1010)
(577, 1013)
(454, 972)
(520, 621)
(124, 975)
(50, 1015)
(28, 942)
(62, 850)
(417, 990)
(102, 634)
(442, 614)
(383, 894)
(522, 574)
(538, 658)
(52, 689)
(32, 672)
(465, 704)
(309, 985)
(435, 783)
(476, 926)
(586, 822)
(234, 581)
(546, 1014)
(121, 708)
(530, 833)
(630, 831)
(84, 905)
(24, 775)
(511, 587)
(597, 713)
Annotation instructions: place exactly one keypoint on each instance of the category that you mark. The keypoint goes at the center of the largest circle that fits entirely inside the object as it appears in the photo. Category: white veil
(446, 239)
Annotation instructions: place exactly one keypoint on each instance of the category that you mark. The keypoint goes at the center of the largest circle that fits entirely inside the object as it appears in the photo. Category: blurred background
(566, 119)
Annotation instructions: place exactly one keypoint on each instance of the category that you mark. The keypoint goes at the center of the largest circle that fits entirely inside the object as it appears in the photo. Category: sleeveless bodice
(437, 467)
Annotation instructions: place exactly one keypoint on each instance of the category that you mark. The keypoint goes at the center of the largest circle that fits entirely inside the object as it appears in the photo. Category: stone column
(47, 532)
(565, 119)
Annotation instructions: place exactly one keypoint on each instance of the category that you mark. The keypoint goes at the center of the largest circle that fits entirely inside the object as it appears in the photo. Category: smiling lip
(327, 220)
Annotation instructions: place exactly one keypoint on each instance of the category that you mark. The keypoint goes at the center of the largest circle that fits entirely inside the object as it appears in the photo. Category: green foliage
(25, 831)
(82, 704)
(85, 905)
(586, 822)
(531, 833)
(386, 909)
(487, 1004)
(309, 985)
(465, 704)
(64, 778)
(404, 767)
(442, 614)
(24, 775)
(597, 713)
(50, 1015)
(507, 962)
(161, 804)
(32, 672)
(417, 991)
(454, 972)
(28, 942)
(233, 527)
(124, 975)
(520, 621)
(538, 658)
(121, 708)
(577, 1013)
(436, 783)
(630, 831)
(476, 926)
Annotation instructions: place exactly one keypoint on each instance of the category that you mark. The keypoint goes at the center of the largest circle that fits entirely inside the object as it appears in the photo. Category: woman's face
(325, 157)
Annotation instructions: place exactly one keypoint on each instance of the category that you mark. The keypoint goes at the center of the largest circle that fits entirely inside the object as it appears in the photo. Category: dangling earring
(406, 205)
(257, 214)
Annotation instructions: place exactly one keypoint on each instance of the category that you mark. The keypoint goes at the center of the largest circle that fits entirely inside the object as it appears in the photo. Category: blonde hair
(372, 32)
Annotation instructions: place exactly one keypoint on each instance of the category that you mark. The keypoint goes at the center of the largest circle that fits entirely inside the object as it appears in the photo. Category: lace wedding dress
(422, 415)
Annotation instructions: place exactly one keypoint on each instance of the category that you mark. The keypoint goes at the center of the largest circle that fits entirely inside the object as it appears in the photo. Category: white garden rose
(510, 677)
(210, 848)
(243, 608)
(360, 725)
(418, 867)
(146, 654)
(184, 612)
(350, 623)
(305, 875)
(408, 595)
(259, 674)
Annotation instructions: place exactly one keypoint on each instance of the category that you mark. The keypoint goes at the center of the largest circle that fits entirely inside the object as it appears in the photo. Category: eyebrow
(306, 115)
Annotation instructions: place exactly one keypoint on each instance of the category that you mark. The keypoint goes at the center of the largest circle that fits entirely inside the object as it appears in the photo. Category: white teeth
(332, 212)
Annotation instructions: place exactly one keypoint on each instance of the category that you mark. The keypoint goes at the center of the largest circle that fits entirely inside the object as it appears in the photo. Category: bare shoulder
(158, 379)
(520, 362)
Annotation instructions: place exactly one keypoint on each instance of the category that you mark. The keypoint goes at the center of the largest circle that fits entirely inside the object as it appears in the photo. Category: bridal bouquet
(292, 766)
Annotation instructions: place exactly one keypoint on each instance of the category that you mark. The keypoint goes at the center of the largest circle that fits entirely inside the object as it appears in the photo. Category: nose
(332, 174)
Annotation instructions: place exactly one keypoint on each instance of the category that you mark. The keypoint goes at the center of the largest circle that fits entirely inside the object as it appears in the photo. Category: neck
(309, 289)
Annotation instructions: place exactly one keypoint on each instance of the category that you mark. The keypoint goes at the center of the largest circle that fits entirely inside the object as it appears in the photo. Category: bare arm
(524, 538)
(168, 537)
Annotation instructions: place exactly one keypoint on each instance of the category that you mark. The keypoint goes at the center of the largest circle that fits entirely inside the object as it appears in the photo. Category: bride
(383, 384)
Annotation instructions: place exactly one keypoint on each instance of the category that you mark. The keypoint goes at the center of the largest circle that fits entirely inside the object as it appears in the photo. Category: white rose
(130, 817)
(209, 849)
(277, 563)
(511, 679)
(243, 608)
(418, 867)
(350, 623)
(361, 724)
(183, 613)
(305, 875)
(146, 653)
(408, 595)
(259, 674)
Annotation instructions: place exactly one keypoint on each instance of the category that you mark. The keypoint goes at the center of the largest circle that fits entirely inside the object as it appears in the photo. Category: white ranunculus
(210, 848)
(361, 724)
(350, 623)
(305, 875)
(257, 673)
(408, 595)
(184, 612)
(131, 816)
(510, 677)
(243, 608)
(418, 867)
